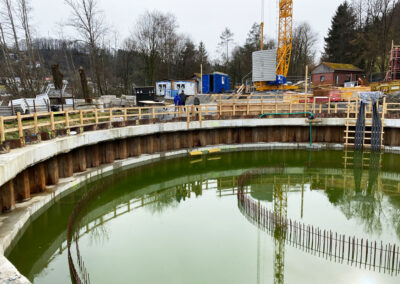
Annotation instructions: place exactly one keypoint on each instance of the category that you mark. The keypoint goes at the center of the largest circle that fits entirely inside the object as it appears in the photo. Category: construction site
(265, 166)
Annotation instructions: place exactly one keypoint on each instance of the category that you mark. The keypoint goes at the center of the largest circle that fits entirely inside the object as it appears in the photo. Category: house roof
(335, 67)
(342, 67)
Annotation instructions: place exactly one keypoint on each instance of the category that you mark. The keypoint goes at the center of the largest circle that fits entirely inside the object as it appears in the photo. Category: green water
(178, 221)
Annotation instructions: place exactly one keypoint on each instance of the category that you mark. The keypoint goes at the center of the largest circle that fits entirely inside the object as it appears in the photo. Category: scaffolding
(394, 64)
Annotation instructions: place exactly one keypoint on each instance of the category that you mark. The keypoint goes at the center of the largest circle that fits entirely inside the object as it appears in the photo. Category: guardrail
(32, 127)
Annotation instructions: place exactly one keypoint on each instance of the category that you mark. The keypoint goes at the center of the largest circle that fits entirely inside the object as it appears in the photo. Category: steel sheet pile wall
(264, 65)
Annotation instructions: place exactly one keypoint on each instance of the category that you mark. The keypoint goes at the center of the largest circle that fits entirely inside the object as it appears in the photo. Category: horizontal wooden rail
(227, 106)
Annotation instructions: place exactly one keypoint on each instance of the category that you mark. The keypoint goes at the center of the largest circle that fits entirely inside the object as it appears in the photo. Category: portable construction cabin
(163, 89)
(216, 83)
(189, 87)
(144, 94)
(168, 89)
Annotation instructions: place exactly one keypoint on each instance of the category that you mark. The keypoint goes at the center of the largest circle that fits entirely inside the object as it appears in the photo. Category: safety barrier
(34, 127)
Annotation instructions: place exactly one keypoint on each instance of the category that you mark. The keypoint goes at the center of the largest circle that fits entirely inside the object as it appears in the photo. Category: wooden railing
(31, 125)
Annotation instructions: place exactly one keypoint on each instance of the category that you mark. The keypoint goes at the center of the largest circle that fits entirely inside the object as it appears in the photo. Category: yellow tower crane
(284, 51)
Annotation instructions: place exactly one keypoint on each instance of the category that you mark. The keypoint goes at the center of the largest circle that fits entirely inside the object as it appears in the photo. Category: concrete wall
(29, 170)
(32, 170)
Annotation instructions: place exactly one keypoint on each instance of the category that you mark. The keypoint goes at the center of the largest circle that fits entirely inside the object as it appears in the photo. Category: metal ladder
(351, 123)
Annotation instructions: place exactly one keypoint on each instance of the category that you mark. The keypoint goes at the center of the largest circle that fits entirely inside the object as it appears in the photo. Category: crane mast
(285, 37)
(284, 51)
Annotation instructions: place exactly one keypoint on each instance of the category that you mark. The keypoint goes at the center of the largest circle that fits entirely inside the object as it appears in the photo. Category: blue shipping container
(206, 84)
(216, 83)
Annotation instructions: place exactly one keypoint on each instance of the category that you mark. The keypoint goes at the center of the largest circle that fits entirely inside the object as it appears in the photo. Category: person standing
(177, 102)
(196, 101)
(183, 98)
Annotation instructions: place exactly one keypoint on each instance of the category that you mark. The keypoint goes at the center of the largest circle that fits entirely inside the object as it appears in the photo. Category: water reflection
(365, 196)
(367, 203)
(356, 192)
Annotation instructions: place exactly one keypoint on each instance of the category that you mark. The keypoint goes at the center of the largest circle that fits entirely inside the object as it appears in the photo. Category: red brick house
(335, 74)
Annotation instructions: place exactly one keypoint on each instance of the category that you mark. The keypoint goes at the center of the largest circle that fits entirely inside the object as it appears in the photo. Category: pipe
(295, 113)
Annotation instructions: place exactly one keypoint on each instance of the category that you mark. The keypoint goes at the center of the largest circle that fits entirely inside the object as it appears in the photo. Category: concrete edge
(13, 163)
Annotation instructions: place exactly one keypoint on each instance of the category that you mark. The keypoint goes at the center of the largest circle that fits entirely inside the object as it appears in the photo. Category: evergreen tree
(253, 39)
(202, 57)
(340, 44)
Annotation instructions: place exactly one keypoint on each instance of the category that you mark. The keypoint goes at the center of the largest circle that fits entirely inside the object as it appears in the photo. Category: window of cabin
(322, 78)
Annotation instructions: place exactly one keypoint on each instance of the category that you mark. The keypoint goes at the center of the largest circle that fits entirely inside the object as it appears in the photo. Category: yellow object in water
(196, 153)
(217, 150)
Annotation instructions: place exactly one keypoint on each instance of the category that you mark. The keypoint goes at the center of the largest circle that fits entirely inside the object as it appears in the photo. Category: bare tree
(23, 61)
(88, 21)
(32, 57)
(226, 38)
(156, 40)
(304, 49)
(380, 17)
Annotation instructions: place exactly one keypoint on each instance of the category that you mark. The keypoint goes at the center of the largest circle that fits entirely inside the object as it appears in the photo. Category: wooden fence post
(96, 116)
(125, 114)
(81, 117)
(12, 108)
(153, 112)
(187, 117)
(314, 102)
(329, 105)
(52, 126)
(66, 119)
(140, 113)
(35, 123)
(111, 114)
(248, 106)
(2, 133)
(348, 108)
(20, 130)
(199, 111)
(262, 106)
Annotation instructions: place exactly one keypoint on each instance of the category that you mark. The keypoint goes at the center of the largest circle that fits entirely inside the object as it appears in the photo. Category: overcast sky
(202, 20)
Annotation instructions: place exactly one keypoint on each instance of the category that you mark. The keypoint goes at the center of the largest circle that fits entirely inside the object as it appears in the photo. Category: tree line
(362, 32)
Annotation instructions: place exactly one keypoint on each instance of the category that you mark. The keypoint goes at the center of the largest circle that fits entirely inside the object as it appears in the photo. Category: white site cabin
(168, 89)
